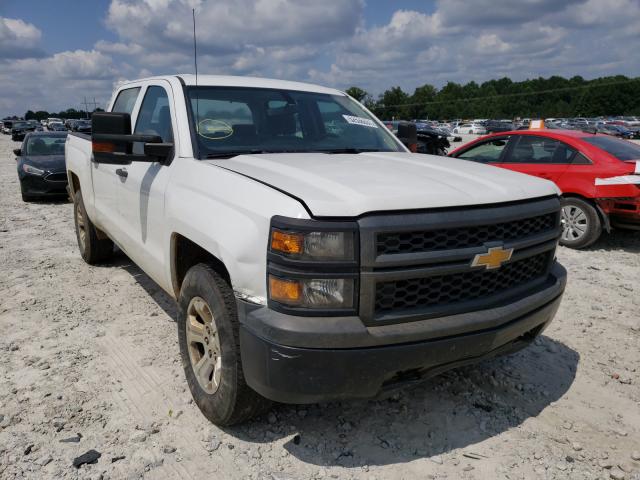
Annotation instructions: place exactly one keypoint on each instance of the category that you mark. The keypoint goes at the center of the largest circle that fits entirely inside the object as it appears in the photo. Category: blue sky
(54, 52)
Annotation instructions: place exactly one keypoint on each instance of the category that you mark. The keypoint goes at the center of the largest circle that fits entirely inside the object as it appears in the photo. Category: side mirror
(408, 135)
(112, 141)
(17, 151)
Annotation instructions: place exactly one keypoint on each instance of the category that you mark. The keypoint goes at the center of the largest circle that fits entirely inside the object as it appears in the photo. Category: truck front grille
(419, 265)
(442, 290)
(390, 243)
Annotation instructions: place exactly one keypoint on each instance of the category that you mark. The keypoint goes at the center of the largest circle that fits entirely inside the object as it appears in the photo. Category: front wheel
(208, 333)
(581, 225)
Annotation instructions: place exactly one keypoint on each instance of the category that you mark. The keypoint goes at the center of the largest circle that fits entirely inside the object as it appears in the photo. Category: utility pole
(86, 104)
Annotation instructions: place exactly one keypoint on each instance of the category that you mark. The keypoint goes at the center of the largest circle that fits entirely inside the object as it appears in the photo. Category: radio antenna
(195, 63)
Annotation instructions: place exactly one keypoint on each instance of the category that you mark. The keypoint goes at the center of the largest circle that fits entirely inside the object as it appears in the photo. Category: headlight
(313, 246)
(30, 169)
(320, 293)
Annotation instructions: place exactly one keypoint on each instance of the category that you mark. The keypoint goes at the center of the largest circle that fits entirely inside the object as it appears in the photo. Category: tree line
(69, 113)
(503, 98)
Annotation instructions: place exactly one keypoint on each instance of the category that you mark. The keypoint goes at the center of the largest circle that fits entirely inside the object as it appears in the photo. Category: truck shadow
(456, 410)
(164, 301)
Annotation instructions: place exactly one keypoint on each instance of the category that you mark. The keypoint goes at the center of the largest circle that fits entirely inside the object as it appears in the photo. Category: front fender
(229, 216)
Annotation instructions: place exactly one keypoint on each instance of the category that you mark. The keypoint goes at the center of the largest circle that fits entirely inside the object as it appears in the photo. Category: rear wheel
(581, 225)
(210, 349)
(93, 249)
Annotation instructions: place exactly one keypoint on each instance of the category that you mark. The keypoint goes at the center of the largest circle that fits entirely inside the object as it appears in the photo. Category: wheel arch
(74, 183)
(604, 217)
(185, 253)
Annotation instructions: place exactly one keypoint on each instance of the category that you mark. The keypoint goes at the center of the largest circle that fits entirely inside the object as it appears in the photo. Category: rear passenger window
(541, 150)
(126, 100)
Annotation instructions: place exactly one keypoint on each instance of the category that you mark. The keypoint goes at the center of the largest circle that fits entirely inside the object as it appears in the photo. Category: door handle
(122, 172)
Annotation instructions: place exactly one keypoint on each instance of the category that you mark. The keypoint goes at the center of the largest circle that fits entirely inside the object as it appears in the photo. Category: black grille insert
(57, 177)
(390, 243)
(441, 290)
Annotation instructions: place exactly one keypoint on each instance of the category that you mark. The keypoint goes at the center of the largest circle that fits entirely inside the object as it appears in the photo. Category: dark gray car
(41, 165)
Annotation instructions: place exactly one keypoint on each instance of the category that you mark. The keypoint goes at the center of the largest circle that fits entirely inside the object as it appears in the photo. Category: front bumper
(623, 212)
(306, 360)
(43, 185)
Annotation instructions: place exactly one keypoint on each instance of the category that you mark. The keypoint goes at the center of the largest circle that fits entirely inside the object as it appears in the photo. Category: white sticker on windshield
(363, 122)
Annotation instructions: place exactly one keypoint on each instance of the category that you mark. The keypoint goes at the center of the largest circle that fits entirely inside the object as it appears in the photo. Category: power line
(509, 95)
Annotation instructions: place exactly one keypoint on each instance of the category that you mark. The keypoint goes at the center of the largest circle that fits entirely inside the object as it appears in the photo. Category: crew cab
(599, 175)
(313, 257)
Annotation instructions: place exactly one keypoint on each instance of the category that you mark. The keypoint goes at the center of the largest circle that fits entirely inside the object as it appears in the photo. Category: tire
(92, 248)
(212, 340)
(581, 224)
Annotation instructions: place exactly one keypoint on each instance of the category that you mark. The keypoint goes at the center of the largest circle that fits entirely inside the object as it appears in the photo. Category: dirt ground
(89, 361)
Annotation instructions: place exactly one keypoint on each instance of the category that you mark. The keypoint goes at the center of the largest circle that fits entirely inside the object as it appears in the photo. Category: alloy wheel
(574, 223)
(203, 344)
(82, 229)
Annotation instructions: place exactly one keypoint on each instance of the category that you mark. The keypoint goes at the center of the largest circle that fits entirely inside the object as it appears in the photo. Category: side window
(487, 152)
(580, 159)
(154, 117)
(126, 100)
(541, 150)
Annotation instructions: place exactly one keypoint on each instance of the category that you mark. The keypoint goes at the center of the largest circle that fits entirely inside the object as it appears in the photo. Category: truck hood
(348, 185)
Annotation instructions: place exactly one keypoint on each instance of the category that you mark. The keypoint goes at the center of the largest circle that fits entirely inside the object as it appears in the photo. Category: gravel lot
(89, 360)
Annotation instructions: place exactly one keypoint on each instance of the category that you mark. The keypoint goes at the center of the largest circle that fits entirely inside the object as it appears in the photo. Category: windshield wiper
(235, 153)
(347, 150)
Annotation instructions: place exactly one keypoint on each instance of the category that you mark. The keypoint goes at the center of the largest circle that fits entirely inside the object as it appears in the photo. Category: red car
(599, 175)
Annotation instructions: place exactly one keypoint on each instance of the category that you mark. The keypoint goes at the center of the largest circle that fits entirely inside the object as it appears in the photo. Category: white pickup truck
(312, 255)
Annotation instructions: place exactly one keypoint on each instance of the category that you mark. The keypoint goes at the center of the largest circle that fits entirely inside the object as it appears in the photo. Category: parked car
(82, 126)
(615, 130)
(36, 125)
(51, 120)
(429, 140)
(494, 126)
(41, 166)
(56, 127)
(312, 256)
(6, 126)
(472, 128)
(598, 175)
(20, 129)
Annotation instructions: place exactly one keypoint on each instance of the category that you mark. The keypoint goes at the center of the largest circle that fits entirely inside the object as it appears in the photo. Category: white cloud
(328, 42)
(57, 82)
(18, 38)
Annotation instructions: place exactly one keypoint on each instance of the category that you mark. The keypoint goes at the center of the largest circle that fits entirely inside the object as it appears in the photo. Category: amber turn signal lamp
(284, 291)
(288, 243)
(103, 147)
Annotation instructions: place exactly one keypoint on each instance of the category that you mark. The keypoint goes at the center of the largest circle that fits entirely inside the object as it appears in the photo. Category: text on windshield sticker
(363, 122)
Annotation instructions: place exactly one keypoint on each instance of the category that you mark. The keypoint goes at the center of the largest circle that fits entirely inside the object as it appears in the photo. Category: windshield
(621, 149)
(45, 145)
(231, 121)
